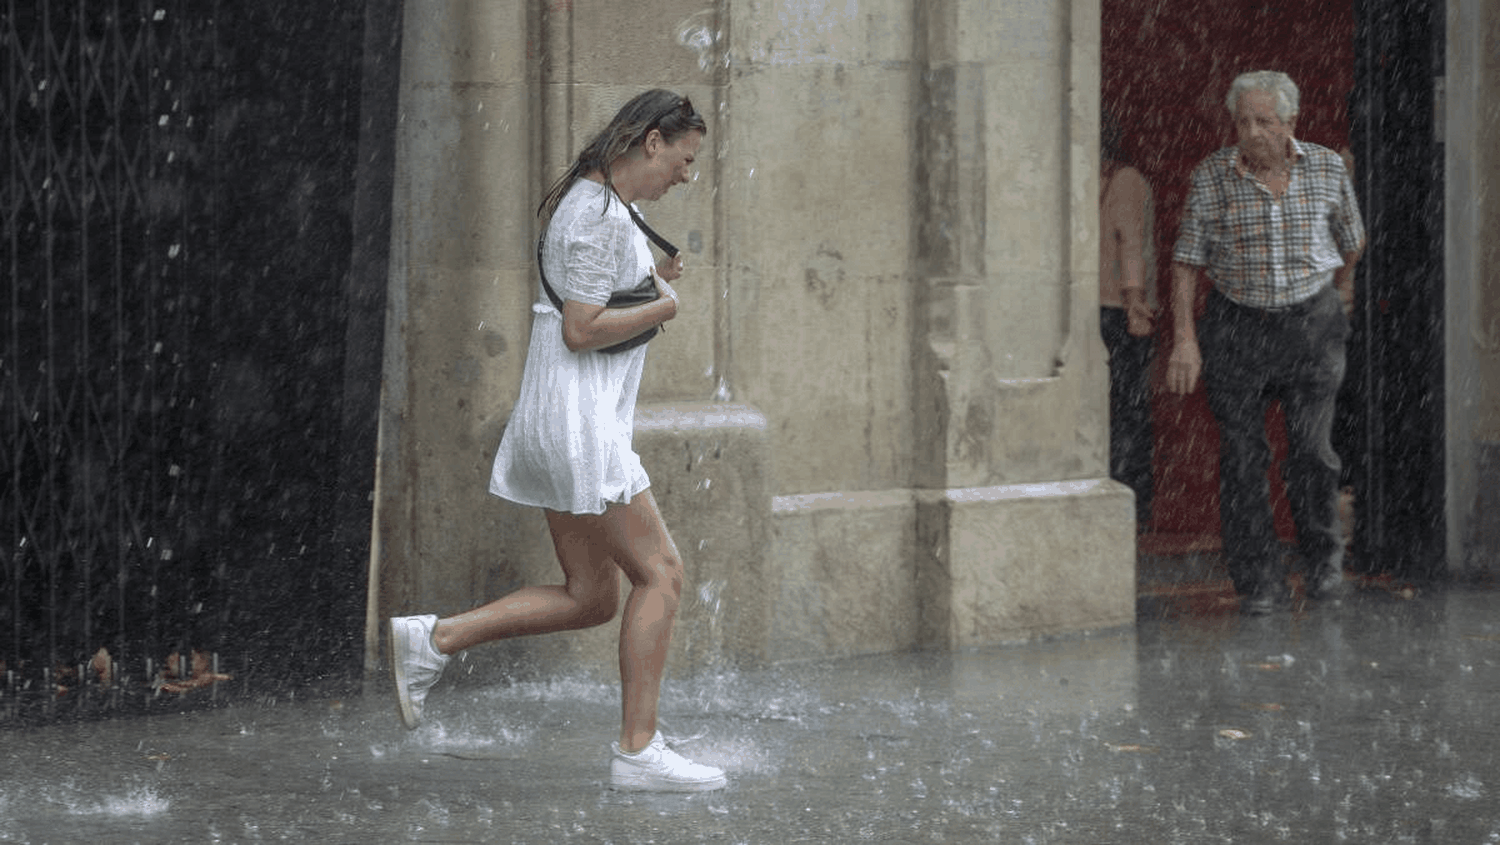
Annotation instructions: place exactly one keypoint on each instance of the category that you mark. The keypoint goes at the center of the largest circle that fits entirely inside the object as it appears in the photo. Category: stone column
(1020, 532)
(1470, 121)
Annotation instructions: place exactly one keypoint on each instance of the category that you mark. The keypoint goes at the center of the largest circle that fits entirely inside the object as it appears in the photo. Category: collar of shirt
(1243, 168)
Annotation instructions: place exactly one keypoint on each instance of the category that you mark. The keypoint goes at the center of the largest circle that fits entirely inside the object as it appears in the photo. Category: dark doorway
(195, 222)
(1365, 70)
(1398, 424)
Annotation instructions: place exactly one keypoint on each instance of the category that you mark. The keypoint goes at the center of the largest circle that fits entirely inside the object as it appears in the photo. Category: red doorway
(1167, 65)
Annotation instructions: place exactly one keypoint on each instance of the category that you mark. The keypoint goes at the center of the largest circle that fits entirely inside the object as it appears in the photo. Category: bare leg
(593, 549)
(589, 596)
(645, 551)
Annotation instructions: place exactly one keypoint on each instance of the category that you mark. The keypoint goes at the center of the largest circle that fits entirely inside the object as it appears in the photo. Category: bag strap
(551, 294)
(662, 243)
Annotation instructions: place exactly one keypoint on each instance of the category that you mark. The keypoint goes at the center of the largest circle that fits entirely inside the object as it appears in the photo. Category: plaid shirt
(1263, 252)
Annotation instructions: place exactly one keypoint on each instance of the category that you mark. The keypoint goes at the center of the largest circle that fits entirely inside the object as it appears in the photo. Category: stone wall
(879, 422)
(1471, 121)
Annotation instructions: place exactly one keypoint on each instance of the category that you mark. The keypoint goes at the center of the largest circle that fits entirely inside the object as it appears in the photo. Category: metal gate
(172, 371)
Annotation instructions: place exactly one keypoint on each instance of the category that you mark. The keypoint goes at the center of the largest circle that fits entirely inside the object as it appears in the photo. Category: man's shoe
(416, 664)
(1327, 585)
(1263, 601)
(660, 769)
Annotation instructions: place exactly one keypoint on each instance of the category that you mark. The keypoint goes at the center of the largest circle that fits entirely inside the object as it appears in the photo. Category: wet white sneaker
(415, 663)
(660, 769)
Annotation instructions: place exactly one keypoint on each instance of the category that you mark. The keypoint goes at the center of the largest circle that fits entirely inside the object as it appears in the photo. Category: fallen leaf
(173, 677)
(102, 667)
(1130, 747)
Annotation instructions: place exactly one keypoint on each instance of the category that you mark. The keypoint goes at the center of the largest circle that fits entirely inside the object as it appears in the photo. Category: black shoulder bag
(641, 294)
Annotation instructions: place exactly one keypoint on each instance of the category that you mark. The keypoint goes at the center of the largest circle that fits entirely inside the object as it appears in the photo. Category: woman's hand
(670, 268)
(667, 291)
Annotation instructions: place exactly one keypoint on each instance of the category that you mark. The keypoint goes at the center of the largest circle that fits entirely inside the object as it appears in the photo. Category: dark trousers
(1251, 357)
(1130, 436)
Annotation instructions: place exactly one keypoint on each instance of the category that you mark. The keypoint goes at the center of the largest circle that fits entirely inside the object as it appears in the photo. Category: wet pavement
(1373, 721)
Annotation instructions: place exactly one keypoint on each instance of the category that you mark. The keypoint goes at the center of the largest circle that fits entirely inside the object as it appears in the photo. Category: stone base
(1025, 560)
(863, 573)
(708, 464)
(844, 574)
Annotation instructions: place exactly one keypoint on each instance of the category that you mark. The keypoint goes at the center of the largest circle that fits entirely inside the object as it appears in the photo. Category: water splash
(1470, 788)
(709, 593)
(142, 801)
(698, 32)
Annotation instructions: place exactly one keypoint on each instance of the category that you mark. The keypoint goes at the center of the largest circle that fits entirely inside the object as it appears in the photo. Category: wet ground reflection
(1370, 722)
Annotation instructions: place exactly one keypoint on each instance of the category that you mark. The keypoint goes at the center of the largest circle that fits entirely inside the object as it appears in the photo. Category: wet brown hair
(670, 113)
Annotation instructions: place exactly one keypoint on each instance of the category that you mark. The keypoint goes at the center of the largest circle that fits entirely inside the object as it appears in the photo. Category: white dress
(567, 446)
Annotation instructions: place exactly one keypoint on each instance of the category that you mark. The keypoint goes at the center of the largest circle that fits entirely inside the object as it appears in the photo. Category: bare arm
(588, 326)
(1128, 210)
(1139, 318)
(1185, 364)
(1125, 220)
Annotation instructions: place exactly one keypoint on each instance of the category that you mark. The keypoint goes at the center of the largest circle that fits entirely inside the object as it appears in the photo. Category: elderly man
(1274, 223)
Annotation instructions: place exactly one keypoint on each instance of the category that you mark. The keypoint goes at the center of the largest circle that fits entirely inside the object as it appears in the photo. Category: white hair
(1280, 86)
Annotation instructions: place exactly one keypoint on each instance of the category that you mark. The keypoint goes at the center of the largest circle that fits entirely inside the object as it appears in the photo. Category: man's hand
(1140, 320)
(1185, 363)
(1184, 366)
